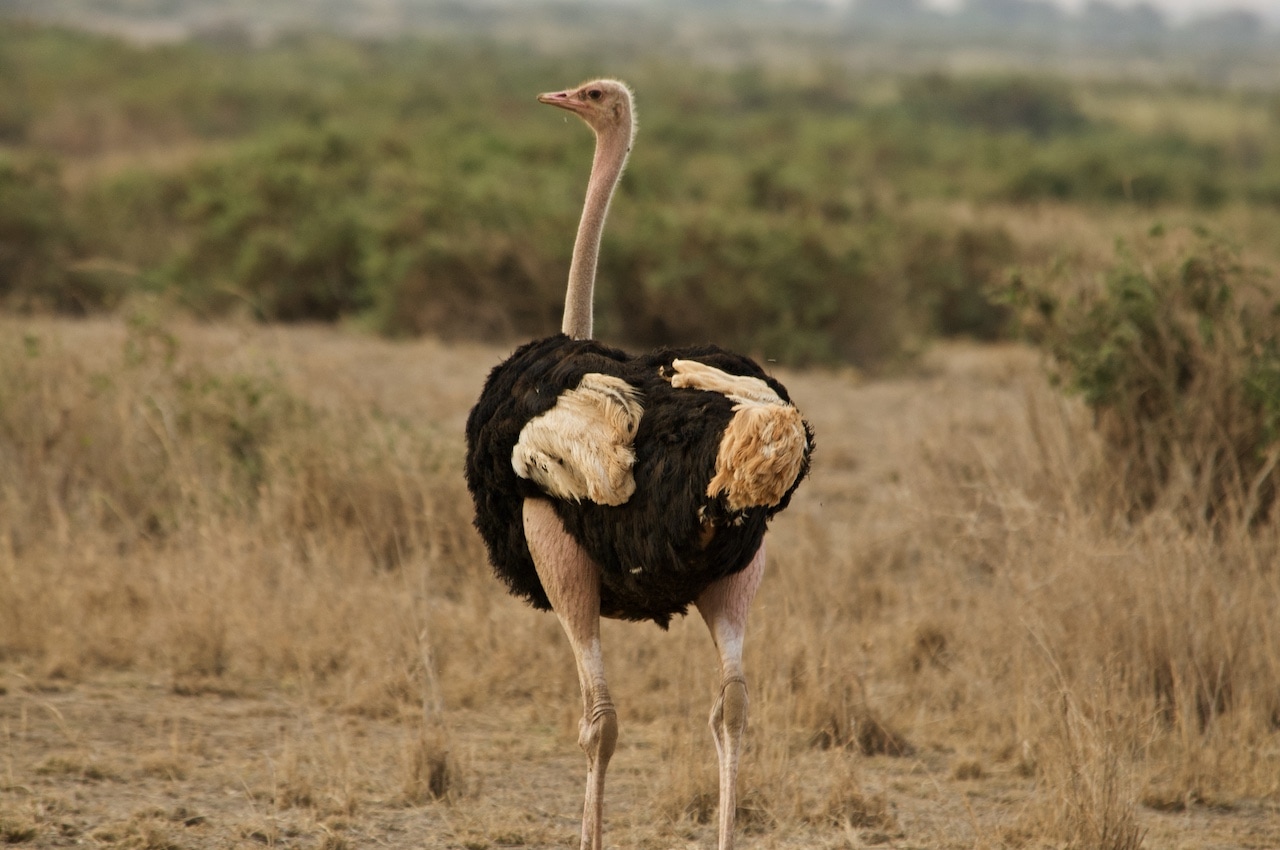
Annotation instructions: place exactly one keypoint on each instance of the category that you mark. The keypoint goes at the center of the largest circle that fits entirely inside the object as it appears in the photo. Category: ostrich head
(606, 106)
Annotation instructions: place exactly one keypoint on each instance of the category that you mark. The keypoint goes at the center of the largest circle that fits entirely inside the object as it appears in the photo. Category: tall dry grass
(953, 589)
(159, 512)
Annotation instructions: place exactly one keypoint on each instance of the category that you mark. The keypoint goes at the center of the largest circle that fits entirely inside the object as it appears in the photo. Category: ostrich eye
(594, 94)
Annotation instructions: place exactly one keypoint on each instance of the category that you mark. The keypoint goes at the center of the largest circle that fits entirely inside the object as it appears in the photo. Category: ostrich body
(631, 486)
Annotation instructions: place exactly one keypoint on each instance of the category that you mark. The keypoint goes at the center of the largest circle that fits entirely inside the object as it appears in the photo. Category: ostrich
(631, 486)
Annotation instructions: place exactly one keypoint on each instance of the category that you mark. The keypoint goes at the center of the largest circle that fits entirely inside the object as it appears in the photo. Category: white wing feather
(583, 448)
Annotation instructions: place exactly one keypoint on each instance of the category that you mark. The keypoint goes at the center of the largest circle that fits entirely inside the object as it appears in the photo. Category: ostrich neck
(606, 168)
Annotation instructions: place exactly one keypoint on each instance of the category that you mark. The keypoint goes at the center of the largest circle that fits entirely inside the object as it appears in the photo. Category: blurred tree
(1107, 25)
(1041, 108)
(889, 11)
(1233, 27)
(1018, 14)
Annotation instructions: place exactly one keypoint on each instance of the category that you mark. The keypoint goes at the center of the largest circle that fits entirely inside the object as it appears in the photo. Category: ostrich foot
(598, 736)
(728, 723)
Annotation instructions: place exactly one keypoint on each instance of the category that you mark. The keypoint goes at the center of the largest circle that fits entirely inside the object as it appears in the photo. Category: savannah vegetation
(415, 188)
(1027, 599)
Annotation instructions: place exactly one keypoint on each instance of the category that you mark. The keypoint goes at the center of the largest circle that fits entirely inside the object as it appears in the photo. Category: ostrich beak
(561, 99)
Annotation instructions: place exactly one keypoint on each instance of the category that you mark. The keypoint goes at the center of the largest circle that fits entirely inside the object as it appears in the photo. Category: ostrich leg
(572, 582)
(724, 607)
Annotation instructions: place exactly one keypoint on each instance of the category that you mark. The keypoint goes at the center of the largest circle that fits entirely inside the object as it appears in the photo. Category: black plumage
(665, 544)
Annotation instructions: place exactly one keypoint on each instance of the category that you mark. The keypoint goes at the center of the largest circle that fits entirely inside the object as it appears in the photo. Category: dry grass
(258, 540)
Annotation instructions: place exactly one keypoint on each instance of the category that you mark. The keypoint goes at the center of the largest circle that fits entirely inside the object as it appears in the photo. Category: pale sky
(1179, 10)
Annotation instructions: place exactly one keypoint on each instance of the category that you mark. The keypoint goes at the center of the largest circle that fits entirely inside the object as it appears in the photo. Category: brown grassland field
(242, 603)
(957, 644)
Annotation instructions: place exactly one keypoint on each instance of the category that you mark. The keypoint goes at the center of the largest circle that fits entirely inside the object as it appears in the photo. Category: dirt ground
(125, 762)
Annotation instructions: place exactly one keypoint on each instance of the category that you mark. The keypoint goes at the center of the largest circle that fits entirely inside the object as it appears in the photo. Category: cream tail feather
(764, 446)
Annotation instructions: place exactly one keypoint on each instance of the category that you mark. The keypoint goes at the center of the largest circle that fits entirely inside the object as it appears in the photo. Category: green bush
(1116, 171)
(43, 266)
(1178, 354)
(785, 293)
(1040, 108)
(35, 241)
(953, 277)
(280, 228)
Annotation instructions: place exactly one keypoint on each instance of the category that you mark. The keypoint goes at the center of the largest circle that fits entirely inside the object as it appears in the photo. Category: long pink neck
(606, 169)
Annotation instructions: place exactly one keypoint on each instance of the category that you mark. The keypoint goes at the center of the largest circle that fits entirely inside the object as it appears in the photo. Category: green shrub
(43, 265)
(1178, 354)
(953, 276)
(784, 294)
(1109, 166)
(35, 242)
(279, 227)
(1040, 108)
(1108, 175)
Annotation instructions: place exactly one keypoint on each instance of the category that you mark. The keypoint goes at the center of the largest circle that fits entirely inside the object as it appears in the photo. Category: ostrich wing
(764, 447)
(739, 388)
(583, 447)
